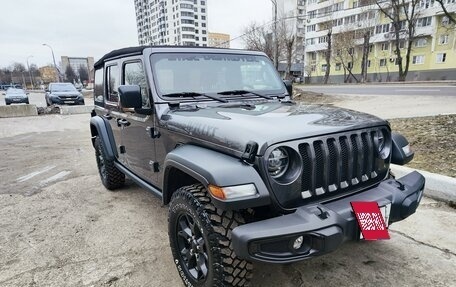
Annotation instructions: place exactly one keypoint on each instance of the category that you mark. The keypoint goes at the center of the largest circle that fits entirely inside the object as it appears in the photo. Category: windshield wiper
(193, 95)
(243, 92)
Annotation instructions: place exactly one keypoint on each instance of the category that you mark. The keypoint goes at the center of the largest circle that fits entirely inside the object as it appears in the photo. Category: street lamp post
(276, 40)
(30, 73)
(53, 58)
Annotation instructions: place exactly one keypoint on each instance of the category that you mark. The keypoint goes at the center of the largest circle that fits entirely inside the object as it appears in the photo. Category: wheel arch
(190, 164)
(177, 176)
(99, 128)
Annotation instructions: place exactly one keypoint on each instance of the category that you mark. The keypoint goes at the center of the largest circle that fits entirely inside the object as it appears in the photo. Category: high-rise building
(172, 22)
(290, 23)
(219, 40)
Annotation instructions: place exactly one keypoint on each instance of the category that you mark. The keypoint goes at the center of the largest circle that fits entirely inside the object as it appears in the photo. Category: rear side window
(98, 87)
(112, 84)
(133, 74)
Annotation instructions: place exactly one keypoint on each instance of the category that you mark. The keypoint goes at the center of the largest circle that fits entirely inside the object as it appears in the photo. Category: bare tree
(257, 38)
(70, 74)
(328, 52)
(404, 16)
(367, 20)
(365, 58)
(34, 70)
(17, 73)
(83, 74)
(5, 75)
(344, 53)
(308, 70)
(287, 43)
(445, 10)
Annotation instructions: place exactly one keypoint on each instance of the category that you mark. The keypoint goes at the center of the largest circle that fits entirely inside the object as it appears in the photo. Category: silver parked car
(16, 96)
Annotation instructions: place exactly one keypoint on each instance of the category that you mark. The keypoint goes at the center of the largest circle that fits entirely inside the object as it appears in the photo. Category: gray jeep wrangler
(248, 174)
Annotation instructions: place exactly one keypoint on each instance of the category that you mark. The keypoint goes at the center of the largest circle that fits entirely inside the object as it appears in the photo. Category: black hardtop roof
(138, 50)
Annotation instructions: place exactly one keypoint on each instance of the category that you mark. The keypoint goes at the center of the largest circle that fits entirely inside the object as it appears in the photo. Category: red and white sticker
(371, 220)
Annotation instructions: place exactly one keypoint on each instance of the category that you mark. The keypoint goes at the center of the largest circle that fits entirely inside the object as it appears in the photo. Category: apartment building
(292, 14)
(219, 40)
(76, 63)
(172, 22)
(433, 51)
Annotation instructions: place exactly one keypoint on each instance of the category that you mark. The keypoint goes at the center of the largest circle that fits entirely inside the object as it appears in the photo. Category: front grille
(340, 163)
(68, 97)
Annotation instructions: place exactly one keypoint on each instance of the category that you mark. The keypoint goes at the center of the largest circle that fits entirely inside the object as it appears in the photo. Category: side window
(98, 87)
(113, 84)
(133, 74)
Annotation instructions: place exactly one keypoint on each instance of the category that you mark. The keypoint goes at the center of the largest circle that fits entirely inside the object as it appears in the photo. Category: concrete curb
(13, 111)
(438, 186)
(74, 110)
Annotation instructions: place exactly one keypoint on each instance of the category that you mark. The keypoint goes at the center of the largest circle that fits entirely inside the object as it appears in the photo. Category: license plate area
(372, 220)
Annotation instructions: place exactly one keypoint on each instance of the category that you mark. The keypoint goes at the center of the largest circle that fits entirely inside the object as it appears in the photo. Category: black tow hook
(323, 213)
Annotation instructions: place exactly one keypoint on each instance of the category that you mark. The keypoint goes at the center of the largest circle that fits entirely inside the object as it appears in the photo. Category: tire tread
(236, 272)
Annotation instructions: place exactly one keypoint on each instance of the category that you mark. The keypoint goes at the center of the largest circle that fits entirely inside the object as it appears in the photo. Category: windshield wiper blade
(193, 95)
(243, 92)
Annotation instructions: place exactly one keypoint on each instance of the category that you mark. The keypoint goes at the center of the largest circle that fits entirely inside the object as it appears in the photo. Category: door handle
(122, 122)
(108, 117)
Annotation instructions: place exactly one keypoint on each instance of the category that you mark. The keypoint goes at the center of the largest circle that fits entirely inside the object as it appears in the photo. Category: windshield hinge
(173, 106)
(250, 152)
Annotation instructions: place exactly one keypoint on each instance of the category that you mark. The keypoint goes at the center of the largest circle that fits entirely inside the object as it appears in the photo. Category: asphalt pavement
(386, 89)
(383, 100)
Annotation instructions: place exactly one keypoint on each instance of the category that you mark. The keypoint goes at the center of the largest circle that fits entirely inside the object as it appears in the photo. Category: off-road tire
(224, 268)
(111, 177)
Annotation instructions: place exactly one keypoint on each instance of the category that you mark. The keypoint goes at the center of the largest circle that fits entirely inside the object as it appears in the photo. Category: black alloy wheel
(191, 243)
(200, 240)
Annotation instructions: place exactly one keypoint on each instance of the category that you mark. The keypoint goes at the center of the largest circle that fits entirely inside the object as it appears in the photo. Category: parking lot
(60, 227)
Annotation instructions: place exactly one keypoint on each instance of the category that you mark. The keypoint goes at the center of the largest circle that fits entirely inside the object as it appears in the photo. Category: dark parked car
(63, 93)
(16, 96)
(248, 174)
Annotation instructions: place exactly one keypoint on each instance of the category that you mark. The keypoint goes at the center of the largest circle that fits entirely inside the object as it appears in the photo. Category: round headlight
(382, 143)
(278, 162)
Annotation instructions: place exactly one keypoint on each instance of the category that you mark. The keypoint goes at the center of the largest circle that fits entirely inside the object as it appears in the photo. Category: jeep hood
(232, 126)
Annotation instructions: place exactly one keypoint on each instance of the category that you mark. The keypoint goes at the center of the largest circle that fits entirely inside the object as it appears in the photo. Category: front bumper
(323, 226)
(67, 101)
(16, 101)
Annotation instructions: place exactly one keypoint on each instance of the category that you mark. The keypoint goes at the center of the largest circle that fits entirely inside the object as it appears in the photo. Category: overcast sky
(94, 27)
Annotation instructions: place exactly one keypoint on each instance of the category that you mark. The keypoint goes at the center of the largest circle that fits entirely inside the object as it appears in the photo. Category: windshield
(62, 88)
(15, 91)
(214, 73)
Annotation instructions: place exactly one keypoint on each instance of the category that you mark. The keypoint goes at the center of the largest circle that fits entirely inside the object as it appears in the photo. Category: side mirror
(46, 90)
(289, 86)
(130, 96)
(401, 152)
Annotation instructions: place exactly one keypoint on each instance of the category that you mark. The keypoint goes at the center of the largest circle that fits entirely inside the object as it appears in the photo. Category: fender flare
(99, 127)
(211, 167)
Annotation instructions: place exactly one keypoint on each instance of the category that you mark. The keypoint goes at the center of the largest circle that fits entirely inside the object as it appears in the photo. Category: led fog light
(298, 242)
